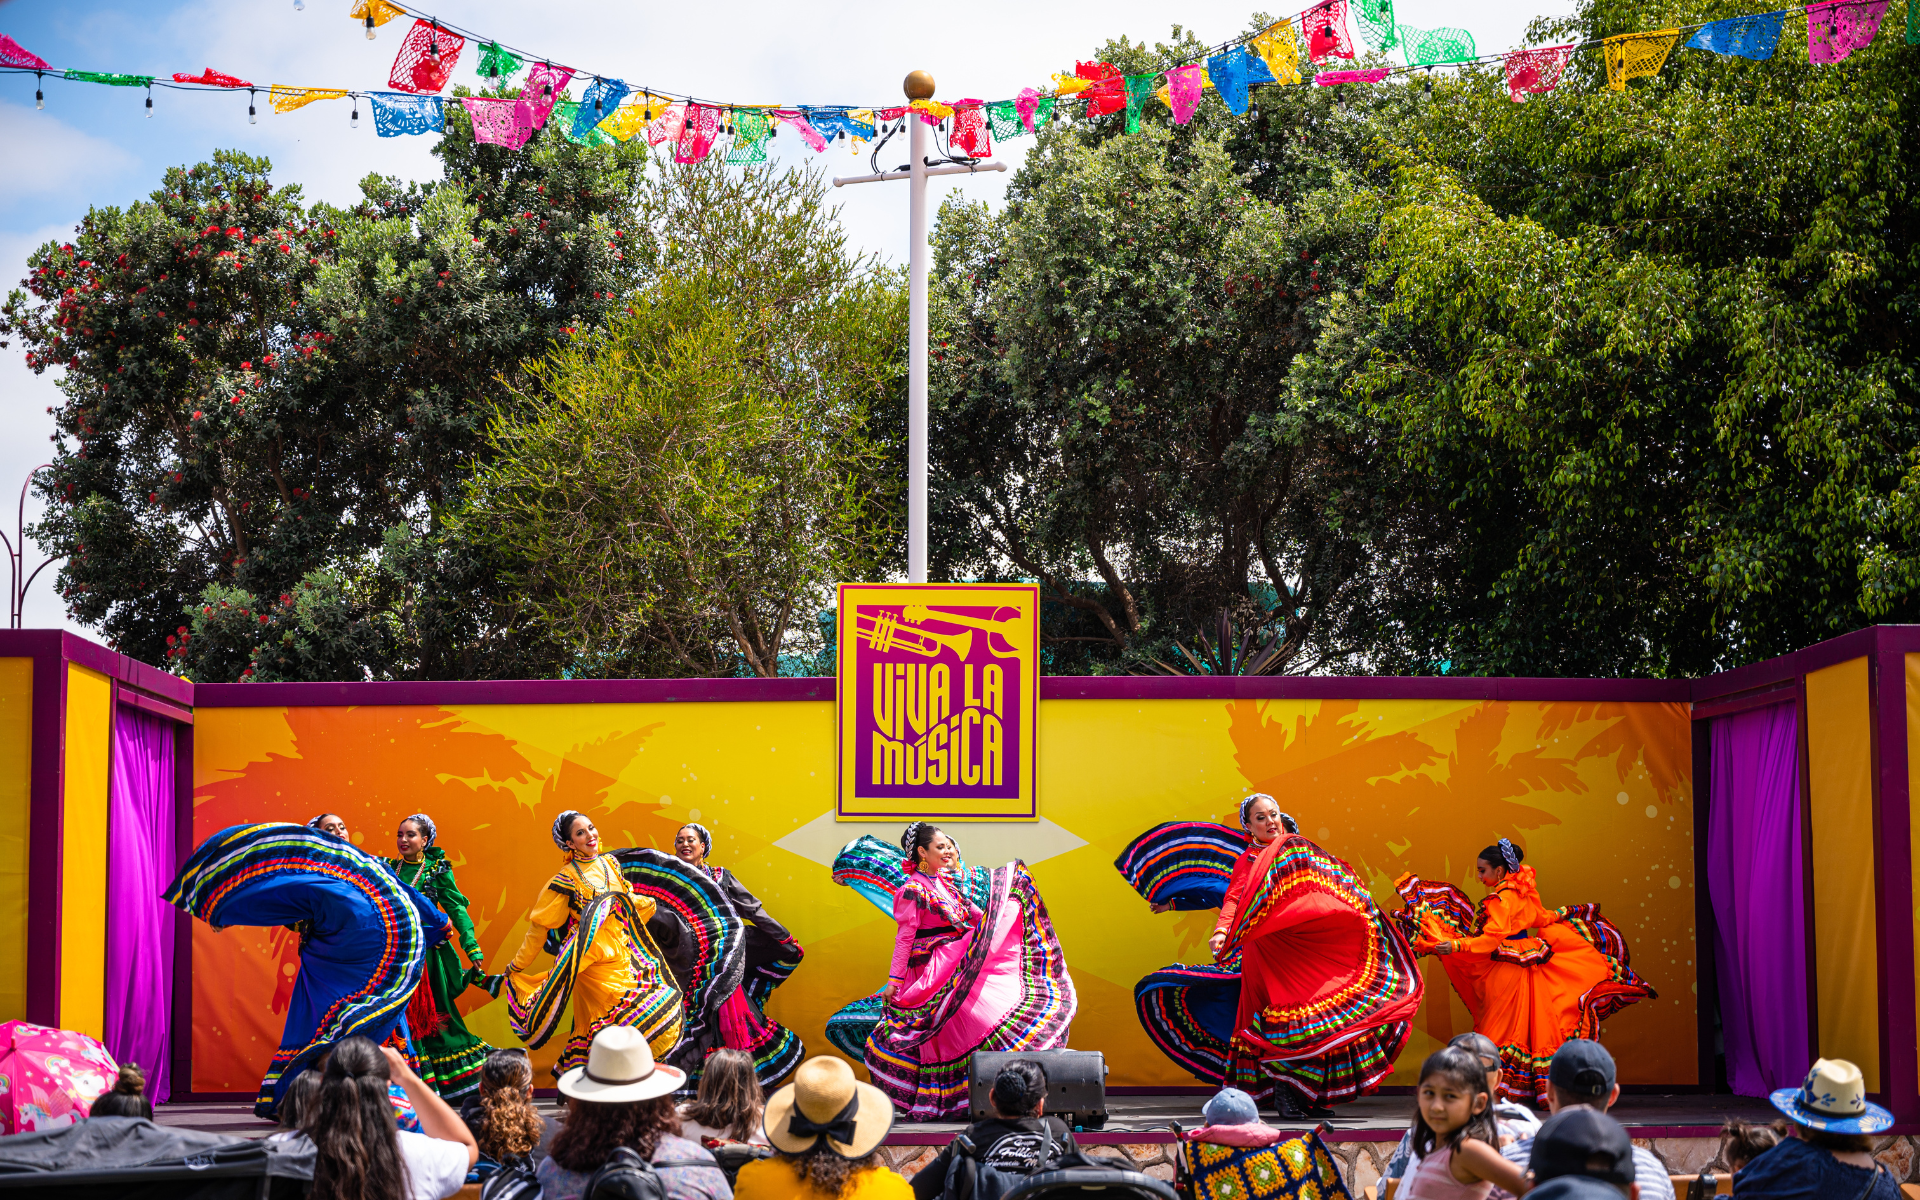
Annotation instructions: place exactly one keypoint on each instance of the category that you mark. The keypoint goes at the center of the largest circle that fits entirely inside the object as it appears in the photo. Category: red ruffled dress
(1328, 985)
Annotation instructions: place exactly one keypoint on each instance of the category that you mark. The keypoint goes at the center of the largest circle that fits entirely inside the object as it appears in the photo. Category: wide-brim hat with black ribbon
(1833, 1099)
(620, 1068)
(826, 1101)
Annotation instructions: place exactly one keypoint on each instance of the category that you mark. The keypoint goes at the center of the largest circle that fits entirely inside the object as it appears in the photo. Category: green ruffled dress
(451, 1057)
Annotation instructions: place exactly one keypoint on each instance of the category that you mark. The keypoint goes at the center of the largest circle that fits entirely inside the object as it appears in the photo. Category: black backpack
(970, 1177)
(514, 1181)
(627, 1176)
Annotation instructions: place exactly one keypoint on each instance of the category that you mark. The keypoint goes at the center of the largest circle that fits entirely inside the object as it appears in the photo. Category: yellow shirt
(776, 1179)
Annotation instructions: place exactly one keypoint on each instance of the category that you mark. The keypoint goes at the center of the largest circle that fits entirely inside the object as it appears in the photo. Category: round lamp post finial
(919, 86)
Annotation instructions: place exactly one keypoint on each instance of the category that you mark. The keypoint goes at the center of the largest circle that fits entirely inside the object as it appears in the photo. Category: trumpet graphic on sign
(884, 632)
(936, 699)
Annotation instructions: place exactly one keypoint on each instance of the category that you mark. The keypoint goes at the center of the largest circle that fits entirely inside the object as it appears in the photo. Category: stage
(1145, 1119)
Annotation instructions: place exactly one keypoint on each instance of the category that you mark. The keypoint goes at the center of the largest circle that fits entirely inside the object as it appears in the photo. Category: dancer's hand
(1163, 906)
(886, 993)
(1215, 942)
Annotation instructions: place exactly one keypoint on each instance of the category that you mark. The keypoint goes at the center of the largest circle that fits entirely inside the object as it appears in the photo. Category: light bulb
(353, 122)
(39, 99)
(251, 118)
(369, 24)
(149, 107)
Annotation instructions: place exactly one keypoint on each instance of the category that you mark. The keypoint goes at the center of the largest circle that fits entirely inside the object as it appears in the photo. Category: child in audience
(1830, 1156)
(729, 1103)
(1743, 1141)
(128, 1098)
(1513, 1121)
(1232, 1118)
(1454, 1133)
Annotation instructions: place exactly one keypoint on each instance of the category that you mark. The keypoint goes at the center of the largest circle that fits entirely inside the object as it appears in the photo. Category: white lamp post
(919, 86)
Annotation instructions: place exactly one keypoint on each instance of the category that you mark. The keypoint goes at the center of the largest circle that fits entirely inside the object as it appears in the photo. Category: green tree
(272, 404)
(1139, 380)
(681, 490)
(1656, 354)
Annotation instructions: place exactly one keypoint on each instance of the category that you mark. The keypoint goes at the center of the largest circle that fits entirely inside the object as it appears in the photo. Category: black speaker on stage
(1076, 1083)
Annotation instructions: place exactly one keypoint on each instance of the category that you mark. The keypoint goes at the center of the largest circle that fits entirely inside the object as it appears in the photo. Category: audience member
(508, 1128)
(359, 1149)
(1582, 1074)
(1585, 1143)
(1831, 1152)
(297, 1099)
(826, 1128)
(128, 1097)
(621, 1097)
(1019, 1137)
(1743, 1141)
(1454, 1133)
(1513, 1121)
(729, 1103)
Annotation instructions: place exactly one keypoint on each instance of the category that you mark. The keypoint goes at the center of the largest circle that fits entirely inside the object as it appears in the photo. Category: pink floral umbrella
(49, 1077)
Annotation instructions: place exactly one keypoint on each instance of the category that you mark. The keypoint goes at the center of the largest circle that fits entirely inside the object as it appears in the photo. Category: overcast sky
(95, 146)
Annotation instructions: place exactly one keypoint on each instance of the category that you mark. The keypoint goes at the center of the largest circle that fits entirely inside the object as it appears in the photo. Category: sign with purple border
(938, 697)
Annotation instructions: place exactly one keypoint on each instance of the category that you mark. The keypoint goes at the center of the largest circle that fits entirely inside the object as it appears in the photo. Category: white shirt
(693, 1131)
(436, 1169)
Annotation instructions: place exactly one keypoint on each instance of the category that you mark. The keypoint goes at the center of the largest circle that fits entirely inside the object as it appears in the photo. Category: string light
(353, 122)
(369, 22)
(252, 118)
(149, 104)
(39, 97)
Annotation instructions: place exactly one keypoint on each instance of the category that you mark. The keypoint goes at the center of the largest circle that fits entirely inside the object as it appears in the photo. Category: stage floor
(1138, 1119)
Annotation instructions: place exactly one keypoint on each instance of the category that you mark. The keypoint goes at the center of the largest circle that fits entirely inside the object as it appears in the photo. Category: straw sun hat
(620, 1068)
(1833, 1099)
(825, 1100)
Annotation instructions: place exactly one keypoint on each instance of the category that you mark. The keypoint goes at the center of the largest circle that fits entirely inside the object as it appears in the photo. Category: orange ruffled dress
(1532, 976)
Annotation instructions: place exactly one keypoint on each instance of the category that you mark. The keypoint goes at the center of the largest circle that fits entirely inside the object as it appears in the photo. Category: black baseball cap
(1582, 1068)
(1582, 1141)
(1575, 1187)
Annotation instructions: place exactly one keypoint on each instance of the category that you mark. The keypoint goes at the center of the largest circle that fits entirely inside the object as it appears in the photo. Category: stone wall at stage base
(1362, 1162)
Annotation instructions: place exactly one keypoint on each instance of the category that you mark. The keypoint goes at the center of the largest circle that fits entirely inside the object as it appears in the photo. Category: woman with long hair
(1328, 986)
(1531, 976)
(622, 1097)
(965, 976)
(771, 954)
(449, 1055)
(604, 961)
(509, 1129)
(729, 1104)
(359, 1151)
(826, 1128)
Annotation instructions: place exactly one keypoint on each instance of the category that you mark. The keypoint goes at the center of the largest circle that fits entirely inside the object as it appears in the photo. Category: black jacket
(1011, 1145)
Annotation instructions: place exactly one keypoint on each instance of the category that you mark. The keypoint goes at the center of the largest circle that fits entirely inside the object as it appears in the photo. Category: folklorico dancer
(367, 935)
(450, 1056)
(1312, 991)
(595, 926)
(1532, 976)
(772, 953)
(965, 976)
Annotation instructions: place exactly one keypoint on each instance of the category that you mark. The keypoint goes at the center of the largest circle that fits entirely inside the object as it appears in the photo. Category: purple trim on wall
(1705, 970)
(182, 1049)
(1786, 667)
(1899, 1073)
(146, 703)
(1778, 693)
(512, 691)
(1358, 687)
(122, 669)
(44, 824)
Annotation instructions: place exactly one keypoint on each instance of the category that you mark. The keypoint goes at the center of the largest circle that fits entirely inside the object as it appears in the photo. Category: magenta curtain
(1754, 882)
(140, 864)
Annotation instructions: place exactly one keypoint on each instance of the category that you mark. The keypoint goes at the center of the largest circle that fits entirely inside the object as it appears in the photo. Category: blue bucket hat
(1833, 1099)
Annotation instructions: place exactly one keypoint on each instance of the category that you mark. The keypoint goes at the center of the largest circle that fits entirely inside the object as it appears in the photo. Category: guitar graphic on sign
(1011, 633)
